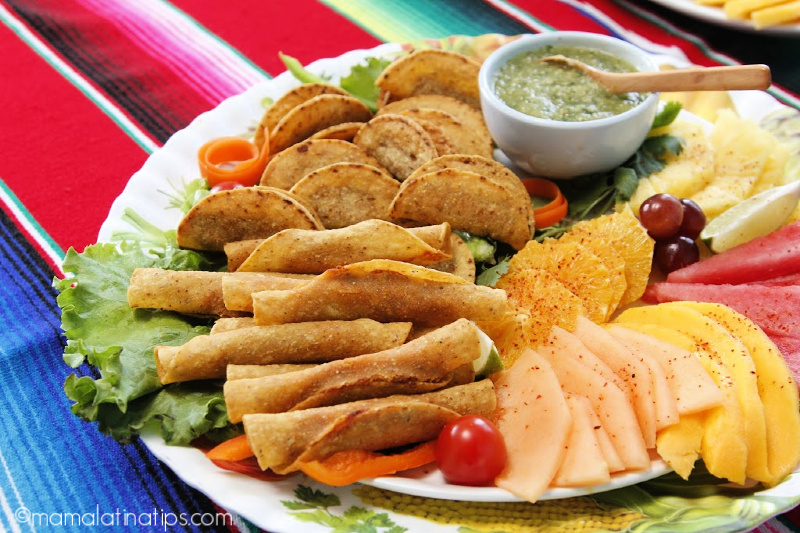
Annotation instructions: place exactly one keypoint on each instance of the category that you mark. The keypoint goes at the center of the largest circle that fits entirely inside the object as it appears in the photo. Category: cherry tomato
(470, 451)
(226, 186)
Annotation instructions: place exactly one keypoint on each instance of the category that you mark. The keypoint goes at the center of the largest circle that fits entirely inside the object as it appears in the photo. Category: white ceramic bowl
(558, 149)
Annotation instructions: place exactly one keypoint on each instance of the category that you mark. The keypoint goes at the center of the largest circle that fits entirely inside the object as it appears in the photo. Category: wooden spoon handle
(692, 79)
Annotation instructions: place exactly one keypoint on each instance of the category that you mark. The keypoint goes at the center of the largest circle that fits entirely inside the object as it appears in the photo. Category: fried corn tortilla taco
(489, 168)
(280, 440)
(462, 139)
(485, 166)
(471, 117)
(432, 72)
(441, 139)
(344, 131)
(384, 290)
(242, 214)
(343, 194)
(314, 115)
(289, 101)
(314, 252)
(468, 201)
(207, 356)
(291, 165)
(439, 359)
(399, 143)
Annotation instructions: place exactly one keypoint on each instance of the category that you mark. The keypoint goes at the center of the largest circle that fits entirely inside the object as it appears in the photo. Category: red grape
(675, 252)
(661, 215)
(694, 220)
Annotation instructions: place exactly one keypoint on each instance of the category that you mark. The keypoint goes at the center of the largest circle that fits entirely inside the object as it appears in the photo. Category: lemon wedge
(758, 215)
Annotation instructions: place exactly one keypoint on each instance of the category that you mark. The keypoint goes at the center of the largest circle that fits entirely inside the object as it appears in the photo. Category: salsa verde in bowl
(568, 125)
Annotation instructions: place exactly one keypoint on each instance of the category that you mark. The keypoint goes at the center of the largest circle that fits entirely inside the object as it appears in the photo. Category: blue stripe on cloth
(86, 472)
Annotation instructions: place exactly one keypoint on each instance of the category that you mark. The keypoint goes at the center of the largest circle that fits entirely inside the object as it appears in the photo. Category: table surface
(90, 88)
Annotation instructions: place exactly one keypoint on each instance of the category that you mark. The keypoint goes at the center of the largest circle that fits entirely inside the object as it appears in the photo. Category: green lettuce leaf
(300, 72)
(117, 341)
(361, 81)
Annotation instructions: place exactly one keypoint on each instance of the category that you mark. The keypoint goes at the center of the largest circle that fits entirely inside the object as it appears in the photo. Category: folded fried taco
(247, 212)
(280, 440)
(387, 291)
(441, 358)
(206, 356)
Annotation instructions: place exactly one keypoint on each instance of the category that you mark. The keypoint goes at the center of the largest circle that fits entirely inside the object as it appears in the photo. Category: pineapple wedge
(684, 174)
(741, 153)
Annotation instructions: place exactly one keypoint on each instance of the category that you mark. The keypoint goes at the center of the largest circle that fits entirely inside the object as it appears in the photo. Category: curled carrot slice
(248, 161)
(554, 211)
(349, 466)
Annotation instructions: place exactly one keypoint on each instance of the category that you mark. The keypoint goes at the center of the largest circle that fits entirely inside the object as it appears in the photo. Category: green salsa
(557, 92)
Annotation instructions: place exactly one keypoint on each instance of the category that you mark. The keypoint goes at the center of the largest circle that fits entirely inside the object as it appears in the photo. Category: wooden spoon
(690, 79)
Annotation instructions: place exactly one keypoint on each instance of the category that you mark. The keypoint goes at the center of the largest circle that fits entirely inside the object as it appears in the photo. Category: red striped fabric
(39, 164)
(260, 30)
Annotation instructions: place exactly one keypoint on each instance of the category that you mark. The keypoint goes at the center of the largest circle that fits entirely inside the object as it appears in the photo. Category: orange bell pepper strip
(248, 161)
(554, 211)
(349, 466)
(234, 449)
(236, 455)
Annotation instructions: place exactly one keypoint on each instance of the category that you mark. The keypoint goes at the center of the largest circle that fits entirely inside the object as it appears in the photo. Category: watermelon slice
(767, 257)
(781, 281)
(775, 309)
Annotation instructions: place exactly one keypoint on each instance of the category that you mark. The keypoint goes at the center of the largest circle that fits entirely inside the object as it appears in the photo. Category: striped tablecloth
(90, 88)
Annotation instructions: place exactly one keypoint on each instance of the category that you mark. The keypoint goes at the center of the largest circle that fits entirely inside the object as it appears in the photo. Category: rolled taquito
(280, 440)
(434, 236)
(207, 356)
(313, 252)
(193, 292)
(441, 358)
(384, 290)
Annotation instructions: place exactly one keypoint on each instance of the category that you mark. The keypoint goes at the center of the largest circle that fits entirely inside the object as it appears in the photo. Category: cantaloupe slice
(734, 373)
(693, 389)
(536, 423)
(561, 339)
(666, 407)
(584, 464)
(630, 369)
(776, 388)
(611, 404)
(610, 454)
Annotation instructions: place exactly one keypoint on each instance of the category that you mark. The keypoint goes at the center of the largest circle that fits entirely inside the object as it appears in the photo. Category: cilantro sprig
(313, 506)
